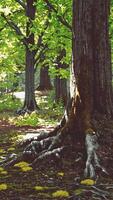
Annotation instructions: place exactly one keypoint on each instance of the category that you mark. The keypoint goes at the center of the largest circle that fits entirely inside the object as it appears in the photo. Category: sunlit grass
(8, 103)
(49, 115)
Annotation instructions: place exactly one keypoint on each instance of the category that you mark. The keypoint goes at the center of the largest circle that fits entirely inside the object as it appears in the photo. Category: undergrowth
(50, 112)
(9, 103)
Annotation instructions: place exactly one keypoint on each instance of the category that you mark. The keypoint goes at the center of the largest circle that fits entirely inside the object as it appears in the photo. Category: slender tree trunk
(45, 81)
(59, 82)
(60, 90)
(30, 103)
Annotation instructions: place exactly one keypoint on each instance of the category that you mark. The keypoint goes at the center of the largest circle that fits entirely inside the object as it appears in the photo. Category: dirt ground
(59, 179)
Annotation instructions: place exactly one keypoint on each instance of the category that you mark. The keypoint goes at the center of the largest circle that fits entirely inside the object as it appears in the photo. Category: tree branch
(21, 3)
(15, 28)
(40, 38)
(60, 18)
(40, 56)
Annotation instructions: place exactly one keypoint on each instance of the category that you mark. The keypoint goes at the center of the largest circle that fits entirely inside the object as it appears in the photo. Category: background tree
(18, 18)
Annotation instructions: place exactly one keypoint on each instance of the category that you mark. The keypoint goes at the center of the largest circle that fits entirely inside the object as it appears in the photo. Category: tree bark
(30, 103)
(91, 55)
(60, 90)
(92, 71)
(59, 82)
(45, 82)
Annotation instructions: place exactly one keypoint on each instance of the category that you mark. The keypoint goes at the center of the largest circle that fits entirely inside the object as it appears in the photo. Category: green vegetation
(49, 113)
(9, 103)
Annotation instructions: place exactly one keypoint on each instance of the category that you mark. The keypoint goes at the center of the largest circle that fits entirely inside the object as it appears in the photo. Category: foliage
(3, 186)
(2, 171)
(9, 103)
(60, 174)
(87, 182)
(27, 119)
(60, 193)
(40, 188)
(24, 166)
(55, 36)
(49, 114)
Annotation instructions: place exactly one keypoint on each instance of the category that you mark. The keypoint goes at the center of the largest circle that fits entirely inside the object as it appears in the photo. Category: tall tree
(92, 94)
(30, 102)
(31, 41)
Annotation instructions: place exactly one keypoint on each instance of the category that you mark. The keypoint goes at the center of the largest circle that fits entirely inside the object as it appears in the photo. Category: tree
(31, 30)
(92, 96)
(30, 103)
(25, 32)
(60, 82)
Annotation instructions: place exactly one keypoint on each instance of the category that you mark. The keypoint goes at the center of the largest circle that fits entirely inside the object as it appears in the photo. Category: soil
(50, 176)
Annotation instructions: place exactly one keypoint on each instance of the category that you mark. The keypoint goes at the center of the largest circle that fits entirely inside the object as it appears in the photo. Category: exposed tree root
(92, 161)
(37, 150)
(24, 110)
(50, 145)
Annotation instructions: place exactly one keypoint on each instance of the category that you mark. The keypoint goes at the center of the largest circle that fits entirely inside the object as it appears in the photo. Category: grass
(50, 112)
(9, 103)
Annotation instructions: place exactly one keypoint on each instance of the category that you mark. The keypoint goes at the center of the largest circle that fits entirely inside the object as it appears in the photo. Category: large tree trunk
(91, 54)
(92, 70)
(45, 81)
(30, 103)
(92, 93)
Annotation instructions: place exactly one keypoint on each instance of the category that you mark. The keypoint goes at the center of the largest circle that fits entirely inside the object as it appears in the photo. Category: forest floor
(54, 179)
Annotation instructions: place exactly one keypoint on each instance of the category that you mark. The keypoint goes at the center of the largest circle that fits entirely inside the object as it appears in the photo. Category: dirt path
(51, 179)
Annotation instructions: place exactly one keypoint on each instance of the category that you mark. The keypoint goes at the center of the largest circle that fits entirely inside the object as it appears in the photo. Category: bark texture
(60, 83)
(45, 81)
(92, 71)
(91, 55)
(30, 103)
